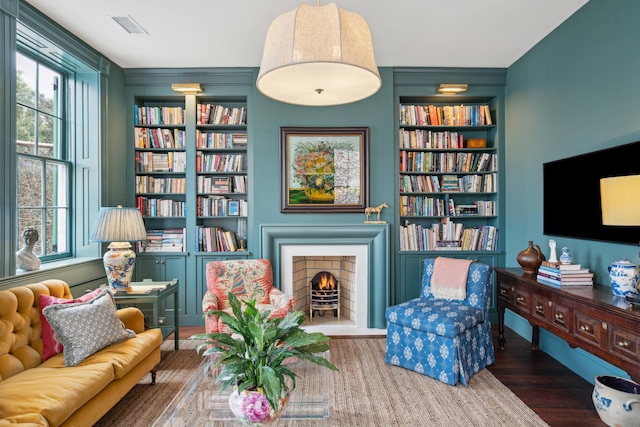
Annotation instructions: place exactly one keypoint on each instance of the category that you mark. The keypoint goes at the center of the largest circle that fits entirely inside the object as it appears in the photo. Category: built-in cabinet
(190, 169)
(449, 181)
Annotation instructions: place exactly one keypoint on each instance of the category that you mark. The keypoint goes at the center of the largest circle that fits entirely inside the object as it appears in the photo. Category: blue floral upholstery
(448, 340)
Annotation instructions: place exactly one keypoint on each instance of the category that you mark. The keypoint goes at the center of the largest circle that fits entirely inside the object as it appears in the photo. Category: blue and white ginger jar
(624, 277)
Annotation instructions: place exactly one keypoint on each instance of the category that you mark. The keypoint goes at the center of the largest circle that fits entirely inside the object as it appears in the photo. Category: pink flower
(255, 407)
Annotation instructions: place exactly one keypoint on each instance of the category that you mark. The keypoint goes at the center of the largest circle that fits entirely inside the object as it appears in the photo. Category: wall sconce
(452, 88)
(187, 88)
(318, 56)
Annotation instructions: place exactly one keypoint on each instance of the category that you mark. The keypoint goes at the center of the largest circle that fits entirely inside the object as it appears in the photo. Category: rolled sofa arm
(132, 318)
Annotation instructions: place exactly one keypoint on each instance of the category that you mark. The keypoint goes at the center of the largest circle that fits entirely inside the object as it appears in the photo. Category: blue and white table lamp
(119, 226)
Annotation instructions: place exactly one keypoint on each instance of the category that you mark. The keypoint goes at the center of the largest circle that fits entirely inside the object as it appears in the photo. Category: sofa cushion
(51, 345)
(123, 356)
(55, 393)
(436, 316)
(86, 327)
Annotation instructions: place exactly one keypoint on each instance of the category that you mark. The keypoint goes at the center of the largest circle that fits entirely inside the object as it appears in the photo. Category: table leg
(176, 319)
(501, 326)
(535, 337)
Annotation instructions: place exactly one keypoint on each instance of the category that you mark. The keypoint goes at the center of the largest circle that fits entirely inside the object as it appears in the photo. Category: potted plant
(255, 358)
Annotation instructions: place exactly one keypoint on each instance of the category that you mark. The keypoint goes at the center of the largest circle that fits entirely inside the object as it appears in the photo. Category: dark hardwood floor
(558, 395)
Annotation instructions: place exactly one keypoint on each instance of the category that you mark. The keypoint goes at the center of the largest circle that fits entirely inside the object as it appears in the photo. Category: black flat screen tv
(571, 194)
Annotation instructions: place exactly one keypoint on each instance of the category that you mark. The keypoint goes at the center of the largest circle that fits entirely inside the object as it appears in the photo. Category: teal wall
(266, 118)
(576, 91)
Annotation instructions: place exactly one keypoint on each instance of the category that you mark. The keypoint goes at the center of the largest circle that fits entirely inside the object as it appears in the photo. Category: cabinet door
(410, 282)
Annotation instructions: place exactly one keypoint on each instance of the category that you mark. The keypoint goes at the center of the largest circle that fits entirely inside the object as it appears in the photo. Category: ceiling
(411, 33)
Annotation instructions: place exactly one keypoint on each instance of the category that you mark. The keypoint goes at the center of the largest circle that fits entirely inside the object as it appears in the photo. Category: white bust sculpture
(25, 258)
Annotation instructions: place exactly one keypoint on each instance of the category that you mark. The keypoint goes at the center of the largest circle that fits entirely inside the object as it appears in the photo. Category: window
(42, 156)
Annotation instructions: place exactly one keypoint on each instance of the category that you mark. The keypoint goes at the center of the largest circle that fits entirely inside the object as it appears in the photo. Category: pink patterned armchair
(246, 278)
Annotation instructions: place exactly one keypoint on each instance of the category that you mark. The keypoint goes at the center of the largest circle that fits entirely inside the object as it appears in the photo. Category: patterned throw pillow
(86, 327)
(51, 345)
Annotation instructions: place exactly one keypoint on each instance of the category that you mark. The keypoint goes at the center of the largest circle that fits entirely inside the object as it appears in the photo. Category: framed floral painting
(324, 169)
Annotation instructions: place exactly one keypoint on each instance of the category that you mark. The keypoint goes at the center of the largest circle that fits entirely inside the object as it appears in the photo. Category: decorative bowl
(617, 401)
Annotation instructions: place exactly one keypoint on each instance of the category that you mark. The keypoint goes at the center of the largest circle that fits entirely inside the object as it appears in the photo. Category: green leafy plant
(253, 356)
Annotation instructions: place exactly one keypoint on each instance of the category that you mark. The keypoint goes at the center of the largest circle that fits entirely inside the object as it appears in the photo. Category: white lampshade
(119, 225)
(620, 198)
(318, 56)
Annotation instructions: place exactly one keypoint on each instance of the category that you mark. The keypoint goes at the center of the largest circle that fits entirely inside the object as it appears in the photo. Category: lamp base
(118, 264)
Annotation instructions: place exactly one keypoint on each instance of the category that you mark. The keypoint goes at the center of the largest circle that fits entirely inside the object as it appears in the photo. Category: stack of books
(564, 275)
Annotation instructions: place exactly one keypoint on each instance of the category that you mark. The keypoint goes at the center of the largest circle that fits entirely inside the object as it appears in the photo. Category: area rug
(366, 392)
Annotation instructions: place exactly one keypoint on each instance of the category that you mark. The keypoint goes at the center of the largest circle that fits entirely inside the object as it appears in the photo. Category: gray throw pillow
(86, 327)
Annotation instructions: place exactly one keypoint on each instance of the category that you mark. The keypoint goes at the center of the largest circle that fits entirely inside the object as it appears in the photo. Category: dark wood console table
(590, 318)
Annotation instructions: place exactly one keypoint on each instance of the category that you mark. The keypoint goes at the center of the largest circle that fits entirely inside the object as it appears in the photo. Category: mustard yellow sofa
(37, 393)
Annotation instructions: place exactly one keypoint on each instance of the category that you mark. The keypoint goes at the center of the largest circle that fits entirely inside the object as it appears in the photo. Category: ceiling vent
(129, 24)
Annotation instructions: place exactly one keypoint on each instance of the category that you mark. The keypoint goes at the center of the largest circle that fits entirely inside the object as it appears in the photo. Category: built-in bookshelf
(448, 177)
(160, 171)
(190, 170)
(221, 176)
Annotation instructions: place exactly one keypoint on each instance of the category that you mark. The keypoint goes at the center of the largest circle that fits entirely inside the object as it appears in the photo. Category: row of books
(221, 184)
(434, 184)
(172, 161)
(416, 237)
(215, 114)
(431, 206)
(557, 274)
(429, 139)
(220, 139)
(158, 115)
(215, 239)
(220, 206)
(154, 207)
(160, 185)
(415, 161)
(159, 138)
(479, 207)
(445, 115)
(216, 162)
(167, 240)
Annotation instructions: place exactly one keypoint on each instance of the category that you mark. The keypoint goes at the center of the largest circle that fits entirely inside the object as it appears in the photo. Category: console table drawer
(625, 344)
(562, 317)
(588, 329)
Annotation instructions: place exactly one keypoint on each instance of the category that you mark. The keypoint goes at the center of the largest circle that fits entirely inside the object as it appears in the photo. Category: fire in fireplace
(324, 294)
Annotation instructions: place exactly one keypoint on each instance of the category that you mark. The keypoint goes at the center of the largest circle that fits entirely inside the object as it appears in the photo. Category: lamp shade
(119, 225)
(318, 56)
(620, 199)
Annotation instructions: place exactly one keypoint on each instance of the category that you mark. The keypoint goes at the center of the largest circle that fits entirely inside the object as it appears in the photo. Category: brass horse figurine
(374, 209)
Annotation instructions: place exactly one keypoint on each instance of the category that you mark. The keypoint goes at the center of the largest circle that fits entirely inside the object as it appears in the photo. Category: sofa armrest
(132, 318)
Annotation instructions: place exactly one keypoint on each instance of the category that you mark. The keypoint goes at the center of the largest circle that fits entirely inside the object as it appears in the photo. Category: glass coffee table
(201, 403)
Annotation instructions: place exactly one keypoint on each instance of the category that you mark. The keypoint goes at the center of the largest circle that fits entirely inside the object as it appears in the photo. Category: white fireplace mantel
(375, 237)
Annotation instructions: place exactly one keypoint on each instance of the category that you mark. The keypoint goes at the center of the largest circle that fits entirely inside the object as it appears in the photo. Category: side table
(154, 293)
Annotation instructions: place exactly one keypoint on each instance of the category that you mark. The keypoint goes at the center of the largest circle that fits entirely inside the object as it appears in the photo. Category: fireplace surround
(275, 239)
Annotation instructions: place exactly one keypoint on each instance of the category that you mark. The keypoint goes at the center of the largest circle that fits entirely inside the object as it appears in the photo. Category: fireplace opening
(324, 294)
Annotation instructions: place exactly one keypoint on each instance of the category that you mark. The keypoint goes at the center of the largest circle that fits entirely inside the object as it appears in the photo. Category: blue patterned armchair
(447, 339)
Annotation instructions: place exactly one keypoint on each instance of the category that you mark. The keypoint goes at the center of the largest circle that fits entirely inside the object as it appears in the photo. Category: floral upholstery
(245, 278)
(448, 340)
